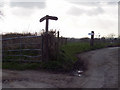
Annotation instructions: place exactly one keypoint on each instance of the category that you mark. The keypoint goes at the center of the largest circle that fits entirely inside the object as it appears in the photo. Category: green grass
(71, 49)
(29, 53)
(20, 66)
(65, 61)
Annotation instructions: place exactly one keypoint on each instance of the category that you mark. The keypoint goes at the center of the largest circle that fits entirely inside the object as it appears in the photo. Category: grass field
(71, 49)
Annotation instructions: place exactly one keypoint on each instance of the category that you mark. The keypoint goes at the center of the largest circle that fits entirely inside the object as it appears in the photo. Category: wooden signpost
(45, 40)
(47, 17)
(92, 38)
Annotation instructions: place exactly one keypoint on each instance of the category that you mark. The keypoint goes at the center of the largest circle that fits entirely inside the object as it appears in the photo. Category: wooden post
(46, 43)
(42, 47)
(46, 28)
(58, 34)
(58, 38)
(92, 38)
(20, 48)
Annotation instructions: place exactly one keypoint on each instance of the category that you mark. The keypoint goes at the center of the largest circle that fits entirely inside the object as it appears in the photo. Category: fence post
(58, 38)
(20, 47)
(45, 47)
(42, 46)
(58, 35)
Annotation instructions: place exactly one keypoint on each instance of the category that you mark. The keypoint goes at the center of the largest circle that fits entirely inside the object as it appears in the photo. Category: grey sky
(76, 18)
(87, 3)
(40, 5)
(79, 11)
(94, 3)
(0, 14)
(92, 0)
(1, 9)
(1, 4)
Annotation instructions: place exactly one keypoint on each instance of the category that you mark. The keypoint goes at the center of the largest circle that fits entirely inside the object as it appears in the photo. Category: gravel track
(102, 72)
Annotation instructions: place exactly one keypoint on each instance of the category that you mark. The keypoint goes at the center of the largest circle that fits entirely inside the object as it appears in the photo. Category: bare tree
(112, 35)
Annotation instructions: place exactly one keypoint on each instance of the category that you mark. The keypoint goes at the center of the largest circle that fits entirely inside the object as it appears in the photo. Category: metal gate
(22, 49)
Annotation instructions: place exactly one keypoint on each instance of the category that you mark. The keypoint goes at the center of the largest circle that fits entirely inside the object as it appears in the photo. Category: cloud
(95, 11)
(87, 3)
(90, 12)
(22, 12)
(93, 3)
(112, 3)
(92, 0)
(1, 9)
(26, 7)
(1, 14)
(41, 5)
(1, 3)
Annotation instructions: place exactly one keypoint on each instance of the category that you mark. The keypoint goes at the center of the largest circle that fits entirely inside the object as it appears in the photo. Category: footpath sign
(92, 38)
(46, 55)
(47, 17)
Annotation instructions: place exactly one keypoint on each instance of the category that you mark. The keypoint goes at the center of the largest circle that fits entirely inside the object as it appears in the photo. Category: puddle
(77, 73)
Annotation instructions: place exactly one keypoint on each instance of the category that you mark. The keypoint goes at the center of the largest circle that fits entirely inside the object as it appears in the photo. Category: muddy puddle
(78, 73)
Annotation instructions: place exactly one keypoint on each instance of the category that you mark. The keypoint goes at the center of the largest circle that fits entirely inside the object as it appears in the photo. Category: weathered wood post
(58, 35)
(42, 46)
(58, 40)
(92, 38)
(45, 42)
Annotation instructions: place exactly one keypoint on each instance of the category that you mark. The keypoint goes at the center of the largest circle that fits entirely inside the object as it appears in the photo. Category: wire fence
(23, 48)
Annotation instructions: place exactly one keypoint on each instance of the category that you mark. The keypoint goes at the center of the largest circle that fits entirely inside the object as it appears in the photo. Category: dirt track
(102, 73)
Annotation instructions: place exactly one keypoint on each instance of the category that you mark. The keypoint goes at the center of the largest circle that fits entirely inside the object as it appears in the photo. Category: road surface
(102, 72)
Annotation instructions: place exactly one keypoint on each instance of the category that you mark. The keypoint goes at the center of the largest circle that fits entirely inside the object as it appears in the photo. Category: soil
(101, 72)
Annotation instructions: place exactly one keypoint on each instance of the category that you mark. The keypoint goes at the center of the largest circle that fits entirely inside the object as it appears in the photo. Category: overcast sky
(75, 18)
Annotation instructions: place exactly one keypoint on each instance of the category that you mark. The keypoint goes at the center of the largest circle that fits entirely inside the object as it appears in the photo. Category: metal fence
(22, 49)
